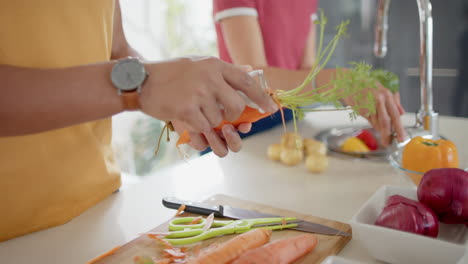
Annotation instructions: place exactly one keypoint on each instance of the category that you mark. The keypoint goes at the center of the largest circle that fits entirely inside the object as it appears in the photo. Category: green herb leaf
(388, 79)
(355, 83)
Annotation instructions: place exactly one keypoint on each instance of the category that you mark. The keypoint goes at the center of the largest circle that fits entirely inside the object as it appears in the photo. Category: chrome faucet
(426, 118)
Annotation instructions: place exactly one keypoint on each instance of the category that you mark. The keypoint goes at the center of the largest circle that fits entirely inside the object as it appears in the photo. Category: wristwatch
(128, 75)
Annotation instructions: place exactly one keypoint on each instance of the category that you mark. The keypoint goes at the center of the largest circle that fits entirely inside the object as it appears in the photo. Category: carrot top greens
(355, 83)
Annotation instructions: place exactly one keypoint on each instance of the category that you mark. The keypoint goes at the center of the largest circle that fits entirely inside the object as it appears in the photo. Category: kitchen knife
(237, 213)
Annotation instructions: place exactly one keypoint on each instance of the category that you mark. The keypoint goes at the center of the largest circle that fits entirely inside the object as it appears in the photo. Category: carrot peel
(196, 220)
(180, 210)
(108, 253)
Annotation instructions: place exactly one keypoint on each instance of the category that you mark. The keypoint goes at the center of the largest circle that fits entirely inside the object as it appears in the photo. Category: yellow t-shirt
(48, 178)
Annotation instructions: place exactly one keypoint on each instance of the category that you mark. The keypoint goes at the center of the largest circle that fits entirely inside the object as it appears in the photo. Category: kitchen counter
(336, 194)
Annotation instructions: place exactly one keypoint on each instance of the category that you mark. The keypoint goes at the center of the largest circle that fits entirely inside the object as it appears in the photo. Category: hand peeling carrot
(232, 248)
(282, 251)
(355, 84)
(249, 115)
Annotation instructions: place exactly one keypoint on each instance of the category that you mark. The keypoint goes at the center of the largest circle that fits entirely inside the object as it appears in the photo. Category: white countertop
(336, 194)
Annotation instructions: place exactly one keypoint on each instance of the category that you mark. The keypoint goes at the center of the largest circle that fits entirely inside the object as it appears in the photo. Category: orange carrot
(280, 251)
(233, 248)
(249, 115)
(108, 253)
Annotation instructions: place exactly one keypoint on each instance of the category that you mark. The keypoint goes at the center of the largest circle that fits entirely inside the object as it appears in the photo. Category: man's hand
(194, 90)
(220, 142)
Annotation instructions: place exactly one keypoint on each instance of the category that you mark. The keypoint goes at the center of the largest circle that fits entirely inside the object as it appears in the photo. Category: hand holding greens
(355, 83)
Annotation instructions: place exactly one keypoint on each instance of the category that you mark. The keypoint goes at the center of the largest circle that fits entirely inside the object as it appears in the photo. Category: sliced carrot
(280, 251)
(108, 253)
(233, 248)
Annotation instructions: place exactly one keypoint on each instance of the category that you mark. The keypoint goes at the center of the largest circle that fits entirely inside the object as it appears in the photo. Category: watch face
(128, 74)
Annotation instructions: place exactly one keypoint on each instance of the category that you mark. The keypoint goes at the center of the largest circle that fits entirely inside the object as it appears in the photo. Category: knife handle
(193, 207)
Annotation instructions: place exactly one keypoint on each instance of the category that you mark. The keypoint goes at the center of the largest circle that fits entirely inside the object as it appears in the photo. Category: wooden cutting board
(327, 245)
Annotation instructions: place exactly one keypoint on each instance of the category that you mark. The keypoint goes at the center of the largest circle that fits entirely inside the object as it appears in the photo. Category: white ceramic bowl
(398, 247)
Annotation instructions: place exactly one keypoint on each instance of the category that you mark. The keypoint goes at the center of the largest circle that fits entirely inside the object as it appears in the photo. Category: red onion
(407, 215)
(445, 191)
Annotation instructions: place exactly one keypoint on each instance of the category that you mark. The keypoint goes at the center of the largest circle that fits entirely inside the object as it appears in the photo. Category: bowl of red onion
(424, 224)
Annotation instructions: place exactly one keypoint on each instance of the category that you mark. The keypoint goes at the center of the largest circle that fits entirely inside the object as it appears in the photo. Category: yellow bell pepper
(421, 154)
(354, 144)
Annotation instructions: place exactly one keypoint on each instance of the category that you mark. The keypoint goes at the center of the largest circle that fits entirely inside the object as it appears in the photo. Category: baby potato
(291, 140)
(317, 163)
(312, 146)
(274, 151)
(292, 156)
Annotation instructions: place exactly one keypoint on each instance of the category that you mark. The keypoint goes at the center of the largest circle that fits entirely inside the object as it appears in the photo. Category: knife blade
(238, 213)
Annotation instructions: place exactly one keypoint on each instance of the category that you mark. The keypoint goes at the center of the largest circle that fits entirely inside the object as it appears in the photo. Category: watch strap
(131, 100)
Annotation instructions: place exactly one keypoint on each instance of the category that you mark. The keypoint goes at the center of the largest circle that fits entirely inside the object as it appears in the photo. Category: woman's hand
(387, 119)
